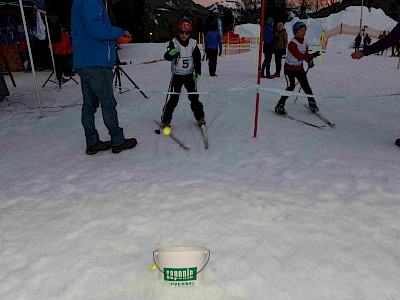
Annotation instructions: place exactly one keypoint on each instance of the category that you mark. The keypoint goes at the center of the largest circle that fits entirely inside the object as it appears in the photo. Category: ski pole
(158, 131)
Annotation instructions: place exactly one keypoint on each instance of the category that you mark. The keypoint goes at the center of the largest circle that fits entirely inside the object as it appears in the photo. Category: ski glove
(196, 77)
(314, 55)
(311, 64)
(173, 52)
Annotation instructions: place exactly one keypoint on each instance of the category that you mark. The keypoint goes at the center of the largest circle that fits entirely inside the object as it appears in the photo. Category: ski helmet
(185, 24)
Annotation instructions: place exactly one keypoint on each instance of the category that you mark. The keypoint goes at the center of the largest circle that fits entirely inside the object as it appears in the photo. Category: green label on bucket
(183, 274)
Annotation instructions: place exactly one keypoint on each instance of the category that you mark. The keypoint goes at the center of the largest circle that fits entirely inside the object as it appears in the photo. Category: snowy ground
(294, 213)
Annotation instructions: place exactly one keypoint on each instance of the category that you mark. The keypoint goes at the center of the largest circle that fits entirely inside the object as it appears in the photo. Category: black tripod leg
(48, 78)
(133, 83)
(115, 78)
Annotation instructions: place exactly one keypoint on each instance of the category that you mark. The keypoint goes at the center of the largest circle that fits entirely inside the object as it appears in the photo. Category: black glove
(314, 55)
(220, 52)
(311, 64)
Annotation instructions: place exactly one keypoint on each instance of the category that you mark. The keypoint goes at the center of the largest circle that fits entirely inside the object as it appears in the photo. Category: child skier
(185, 60)
(296, 54)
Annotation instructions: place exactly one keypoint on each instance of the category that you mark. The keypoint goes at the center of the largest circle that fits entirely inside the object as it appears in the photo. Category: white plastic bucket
(181, 266)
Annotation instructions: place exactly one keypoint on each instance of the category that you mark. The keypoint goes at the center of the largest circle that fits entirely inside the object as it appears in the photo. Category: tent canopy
(5, 4)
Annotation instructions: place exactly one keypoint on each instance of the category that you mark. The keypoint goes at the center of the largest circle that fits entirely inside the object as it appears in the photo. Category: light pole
(362, 5)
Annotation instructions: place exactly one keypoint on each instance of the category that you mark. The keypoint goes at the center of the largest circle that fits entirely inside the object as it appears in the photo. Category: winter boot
(165, 124)
(277, 75)
(313, 105)
(201, 121)
(397, 142)
(127, 144)
(269, 76)
(280, 109)
(100, 146)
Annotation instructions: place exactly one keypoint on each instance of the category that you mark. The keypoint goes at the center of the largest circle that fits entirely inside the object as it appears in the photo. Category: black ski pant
(212, 55)
(177, 82)
(291, 77)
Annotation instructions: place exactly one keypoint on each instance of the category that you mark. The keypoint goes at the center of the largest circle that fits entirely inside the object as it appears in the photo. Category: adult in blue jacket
(94, 58)
(213, 46)
(391, 39)
(268, 47)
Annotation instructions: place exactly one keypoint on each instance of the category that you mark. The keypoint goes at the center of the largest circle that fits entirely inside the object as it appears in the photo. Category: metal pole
(30, 56)
(362, 5)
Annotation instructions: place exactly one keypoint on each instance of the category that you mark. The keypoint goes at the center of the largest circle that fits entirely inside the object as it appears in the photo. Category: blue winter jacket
(93, 35)
(268, 34)
(213, 40)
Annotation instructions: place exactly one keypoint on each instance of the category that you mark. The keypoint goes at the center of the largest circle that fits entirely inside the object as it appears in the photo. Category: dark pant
(278, 60)
(63, 65)
(177, 82)
(266, 63)
(97, 87)
(291, 77)
(212, 55)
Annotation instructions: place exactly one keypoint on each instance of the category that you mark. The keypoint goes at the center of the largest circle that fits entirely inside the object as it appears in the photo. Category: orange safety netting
(349, 29)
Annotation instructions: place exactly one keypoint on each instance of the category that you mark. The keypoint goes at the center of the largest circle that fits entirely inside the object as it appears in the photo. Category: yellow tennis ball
(153, 267)
(166, 131)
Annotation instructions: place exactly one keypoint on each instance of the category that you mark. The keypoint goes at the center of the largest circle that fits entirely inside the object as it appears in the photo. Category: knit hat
(297, 26)
(269, 21)
(185, 24)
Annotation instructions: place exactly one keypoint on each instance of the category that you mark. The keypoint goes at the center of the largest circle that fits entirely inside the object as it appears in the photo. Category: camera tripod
(117, 75)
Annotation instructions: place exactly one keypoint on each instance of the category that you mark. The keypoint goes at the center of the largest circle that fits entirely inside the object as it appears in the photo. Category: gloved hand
(314, 55)
(311, 64)
(196, 77)
(174, 52)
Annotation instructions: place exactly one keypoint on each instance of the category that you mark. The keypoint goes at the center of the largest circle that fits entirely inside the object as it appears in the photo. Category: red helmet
(185, 25)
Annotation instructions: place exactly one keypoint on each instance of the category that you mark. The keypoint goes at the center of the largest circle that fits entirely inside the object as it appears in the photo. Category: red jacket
(64, 47)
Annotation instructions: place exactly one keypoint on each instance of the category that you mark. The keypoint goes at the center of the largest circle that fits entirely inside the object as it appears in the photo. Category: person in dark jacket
(381, 36)
(357, 42)
(391, 39)
(268, 47)
(213, 46)
(367, 40)
(93, 43)
(280, 45)
(185, 58)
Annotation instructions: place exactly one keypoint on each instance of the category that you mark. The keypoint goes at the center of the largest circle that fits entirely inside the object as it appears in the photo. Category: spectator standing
(63, 52)
(280, 45)
(94, 58)
(381, 36)
(213, 46)
(268, 47)
(367, 40)
(357, 42)
(24, 54)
